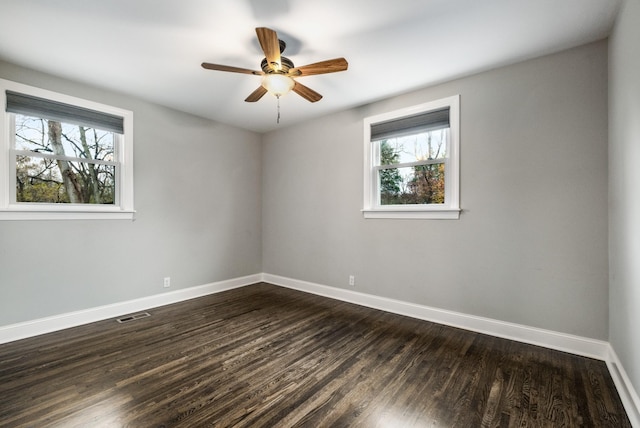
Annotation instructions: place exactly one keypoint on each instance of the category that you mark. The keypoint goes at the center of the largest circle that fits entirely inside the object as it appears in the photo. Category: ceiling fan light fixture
(277, 84)
(278, 71)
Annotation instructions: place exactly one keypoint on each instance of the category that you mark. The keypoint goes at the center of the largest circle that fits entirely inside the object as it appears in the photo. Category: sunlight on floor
(108, 411)
(391, 419)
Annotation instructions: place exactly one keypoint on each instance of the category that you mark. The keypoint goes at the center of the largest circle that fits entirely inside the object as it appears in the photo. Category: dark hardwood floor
(267, 356)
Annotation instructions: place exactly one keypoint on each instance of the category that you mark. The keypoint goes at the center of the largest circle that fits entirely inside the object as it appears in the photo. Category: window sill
(21, 214)
(405, 213)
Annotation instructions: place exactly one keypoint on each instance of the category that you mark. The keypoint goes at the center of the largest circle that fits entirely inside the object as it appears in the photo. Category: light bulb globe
(277, 84)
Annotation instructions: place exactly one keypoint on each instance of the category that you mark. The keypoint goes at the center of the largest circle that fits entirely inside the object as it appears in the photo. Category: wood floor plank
(265, 356)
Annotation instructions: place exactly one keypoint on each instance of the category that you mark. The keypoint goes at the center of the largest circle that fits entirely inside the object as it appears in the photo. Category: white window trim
(40, 211)
(447, 211)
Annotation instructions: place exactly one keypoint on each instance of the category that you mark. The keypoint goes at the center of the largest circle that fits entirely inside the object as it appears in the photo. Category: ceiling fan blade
(219, 67)
(271, 46)
(322, 67)
(306, 92)
(256, 95)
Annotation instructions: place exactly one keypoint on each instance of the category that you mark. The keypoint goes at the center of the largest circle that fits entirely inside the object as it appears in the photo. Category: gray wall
(531, 244)
(624, 188)
(198, 202)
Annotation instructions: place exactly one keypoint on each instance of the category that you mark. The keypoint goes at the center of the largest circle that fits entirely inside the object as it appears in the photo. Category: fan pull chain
(278, 119)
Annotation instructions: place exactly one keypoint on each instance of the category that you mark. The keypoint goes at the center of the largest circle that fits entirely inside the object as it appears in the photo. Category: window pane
(62, 139)
(413, 148)
(56, 181)
(422, 184)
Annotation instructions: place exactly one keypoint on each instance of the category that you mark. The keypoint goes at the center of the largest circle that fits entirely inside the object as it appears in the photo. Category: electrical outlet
(167, 282)
(352, 280)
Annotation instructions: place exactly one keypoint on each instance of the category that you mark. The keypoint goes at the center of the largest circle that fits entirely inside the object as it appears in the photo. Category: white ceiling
(153, 49)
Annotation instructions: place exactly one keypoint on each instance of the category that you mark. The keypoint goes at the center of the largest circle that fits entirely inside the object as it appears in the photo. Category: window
(63, 157)
(412, 162)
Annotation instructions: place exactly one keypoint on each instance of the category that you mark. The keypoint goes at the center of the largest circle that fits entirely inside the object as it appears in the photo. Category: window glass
(414, 148)
(58, 162)
(423, 184)
(420, 182)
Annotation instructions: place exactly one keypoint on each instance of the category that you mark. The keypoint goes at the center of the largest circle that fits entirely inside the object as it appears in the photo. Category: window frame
(451, 207)
(123, 209)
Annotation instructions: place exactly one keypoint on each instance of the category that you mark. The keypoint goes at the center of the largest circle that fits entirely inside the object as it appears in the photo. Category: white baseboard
(628, 394)
(521, 333)
(577, 345)
(36, 327)
(549, 339)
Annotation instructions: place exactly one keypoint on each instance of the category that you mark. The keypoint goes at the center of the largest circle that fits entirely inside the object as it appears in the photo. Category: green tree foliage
(418, 184)
(35, 184)
(427, 185)
(390, 179)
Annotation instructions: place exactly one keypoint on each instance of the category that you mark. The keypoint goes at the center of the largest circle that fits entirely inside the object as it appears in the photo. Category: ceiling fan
(278, 72)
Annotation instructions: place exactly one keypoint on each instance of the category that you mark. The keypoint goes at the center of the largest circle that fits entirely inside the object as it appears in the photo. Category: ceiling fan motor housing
(278, 72)
(285, 63)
